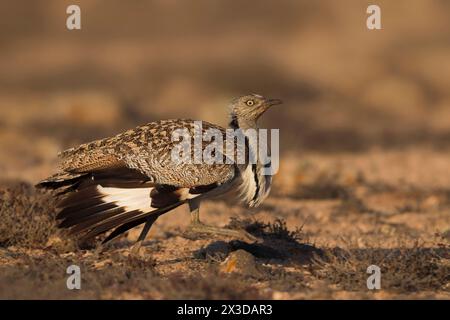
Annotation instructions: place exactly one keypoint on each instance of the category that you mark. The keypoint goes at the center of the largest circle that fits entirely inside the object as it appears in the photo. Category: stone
(242, 262)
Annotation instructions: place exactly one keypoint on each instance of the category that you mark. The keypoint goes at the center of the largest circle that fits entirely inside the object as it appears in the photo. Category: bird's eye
(250, 103)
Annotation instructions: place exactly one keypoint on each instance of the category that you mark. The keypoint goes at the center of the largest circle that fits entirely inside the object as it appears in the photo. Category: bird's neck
(237, 122)
(254, 185)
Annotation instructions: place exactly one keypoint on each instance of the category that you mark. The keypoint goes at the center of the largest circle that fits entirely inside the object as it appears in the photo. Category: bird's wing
(119, 199)
(147, 149)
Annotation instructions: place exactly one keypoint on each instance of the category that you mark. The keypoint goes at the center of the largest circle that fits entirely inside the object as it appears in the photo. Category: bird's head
(248, 108)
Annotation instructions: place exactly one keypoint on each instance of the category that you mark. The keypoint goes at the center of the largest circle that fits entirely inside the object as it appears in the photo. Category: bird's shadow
(276, 251)
(276, 243)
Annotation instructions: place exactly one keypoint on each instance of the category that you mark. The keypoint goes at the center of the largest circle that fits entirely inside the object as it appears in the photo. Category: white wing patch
(128, 198)
(248, 186)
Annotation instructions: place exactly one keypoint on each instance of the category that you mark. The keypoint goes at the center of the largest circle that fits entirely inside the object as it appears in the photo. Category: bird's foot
(198, 227)
(138, 256)
(137, 251)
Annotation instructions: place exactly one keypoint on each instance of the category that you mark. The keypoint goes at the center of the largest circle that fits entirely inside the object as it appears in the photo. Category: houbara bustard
(124, 181)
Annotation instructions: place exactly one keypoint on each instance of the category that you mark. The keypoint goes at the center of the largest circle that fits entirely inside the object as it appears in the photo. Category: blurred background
(364, 130)
(347, 90)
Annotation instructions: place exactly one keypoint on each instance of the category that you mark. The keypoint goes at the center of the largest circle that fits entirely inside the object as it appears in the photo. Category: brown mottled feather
(148, 149)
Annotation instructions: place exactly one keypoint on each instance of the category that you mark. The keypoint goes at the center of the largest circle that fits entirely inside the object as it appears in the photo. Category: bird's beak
(274, 102)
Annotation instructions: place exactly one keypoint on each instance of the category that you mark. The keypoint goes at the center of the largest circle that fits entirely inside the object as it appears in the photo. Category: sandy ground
(365, 145)
(318, 240)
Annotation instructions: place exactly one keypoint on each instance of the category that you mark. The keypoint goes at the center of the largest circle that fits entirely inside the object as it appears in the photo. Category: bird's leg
(194, 208)
(135, 249)
(198, 227)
